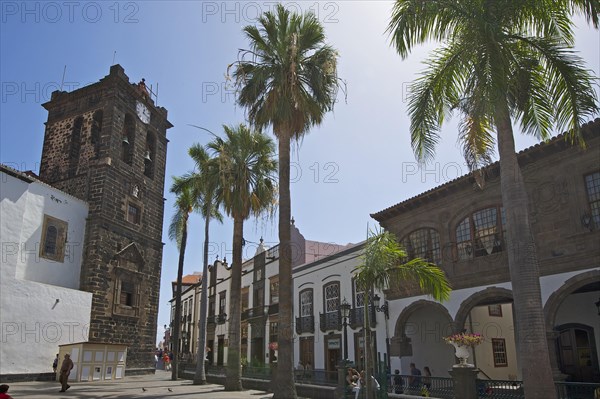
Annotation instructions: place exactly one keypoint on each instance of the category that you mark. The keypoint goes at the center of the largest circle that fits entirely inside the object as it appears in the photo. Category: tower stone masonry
(106, 144)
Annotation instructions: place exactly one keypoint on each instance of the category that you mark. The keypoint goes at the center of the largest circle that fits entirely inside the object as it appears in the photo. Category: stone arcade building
(106, 144)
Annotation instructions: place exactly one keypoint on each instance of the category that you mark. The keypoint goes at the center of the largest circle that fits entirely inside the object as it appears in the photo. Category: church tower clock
(106, 144)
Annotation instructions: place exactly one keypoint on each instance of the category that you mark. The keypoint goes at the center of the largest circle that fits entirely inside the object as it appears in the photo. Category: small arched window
(54, 238)
(51, 239)
(128, 140)
(423, 243)
(96, 131)
(150, 155)
(75, 146)
(481, 233)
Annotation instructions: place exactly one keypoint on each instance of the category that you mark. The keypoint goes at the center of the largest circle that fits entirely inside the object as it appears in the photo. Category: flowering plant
(464, 339)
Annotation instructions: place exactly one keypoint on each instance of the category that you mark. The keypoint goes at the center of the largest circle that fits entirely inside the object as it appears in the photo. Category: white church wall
(40, 306)
(36, 318)
(23, 209)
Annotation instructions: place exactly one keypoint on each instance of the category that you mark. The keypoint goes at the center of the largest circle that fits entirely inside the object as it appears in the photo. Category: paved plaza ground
(156, 386)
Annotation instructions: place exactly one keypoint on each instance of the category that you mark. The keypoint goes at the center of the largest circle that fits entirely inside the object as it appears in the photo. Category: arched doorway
(418, 338)
(572, 315)
(577, 352)
(490, 313)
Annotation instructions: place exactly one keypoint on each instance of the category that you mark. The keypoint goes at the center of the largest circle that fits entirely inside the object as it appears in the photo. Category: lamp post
(384, 308)
(345, 310)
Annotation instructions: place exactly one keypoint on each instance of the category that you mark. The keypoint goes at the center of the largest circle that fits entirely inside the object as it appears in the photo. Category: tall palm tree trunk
(200, 375)
(234, 365)
(532, 345)
(177, 321)
(368, 349)
(284, 386)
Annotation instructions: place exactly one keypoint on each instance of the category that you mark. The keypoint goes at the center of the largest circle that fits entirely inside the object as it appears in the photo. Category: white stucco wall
(426, 331)
(494, 327)
(575, 309)
(338, 268)
(23, 207)
(40, 306)
(33, 324)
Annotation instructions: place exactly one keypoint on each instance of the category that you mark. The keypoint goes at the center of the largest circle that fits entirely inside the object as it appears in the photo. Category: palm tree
(184, 205)
(290, 84)
(203, 185)
(502, 61)
(245, 164)
(384, 261)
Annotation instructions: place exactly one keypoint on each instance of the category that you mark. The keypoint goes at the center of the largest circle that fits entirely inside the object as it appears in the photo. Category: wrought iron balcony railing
(356, 318)
(330, 321)
(305, 324)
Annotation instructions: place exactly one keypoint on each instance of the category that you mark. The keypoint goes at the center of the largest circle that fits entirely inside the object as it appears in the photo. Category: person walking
(55, 364)
(414, 381)
(65, 370)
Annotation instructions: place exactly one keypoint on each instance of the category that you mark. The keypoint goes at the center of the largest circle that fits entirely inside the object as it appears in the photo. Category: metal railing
(330, 321)
(500, 389)
(356, 317)
(316, 377)
(305, 324)
(577, 390)
(434, 387)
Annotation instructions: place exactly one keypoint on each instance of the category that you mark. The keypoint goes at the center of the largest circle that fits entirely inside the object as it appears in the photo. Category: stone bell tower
(106, 144)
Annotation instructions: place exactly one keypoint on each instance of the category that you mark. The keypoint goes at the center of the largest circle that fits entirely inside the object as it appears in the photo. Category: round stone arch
(487, 296)
(571, 285)
(414, 307)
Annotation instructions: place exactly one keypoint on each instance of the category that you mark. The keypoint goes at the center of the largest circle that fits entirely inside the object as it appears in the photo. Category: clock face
(143, 112)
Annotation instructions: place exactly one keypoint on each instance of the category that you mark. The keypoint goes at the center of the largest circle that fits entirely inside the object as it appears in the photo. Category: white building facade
(42, 231)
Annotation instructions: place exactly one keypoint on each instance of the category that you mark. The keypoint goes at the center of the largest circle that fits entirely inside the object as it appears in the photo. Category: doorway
(333, 355)
(220, 350)
(577, 352)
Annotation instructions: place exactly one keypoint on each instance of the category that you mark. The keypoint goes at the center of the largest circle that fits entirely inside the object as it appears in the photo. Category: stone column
(465, 382)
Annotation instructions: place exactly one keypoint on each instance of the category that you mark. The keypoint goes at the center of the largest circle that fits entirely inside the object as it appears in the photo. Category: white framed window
(332, 297)
(54, 238)
(306, 302)
(499, 352)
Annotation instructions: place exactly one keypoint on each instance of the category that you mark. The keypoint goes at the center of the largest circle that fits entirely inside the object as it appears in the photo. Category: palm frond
(570, 86)
(433, 95)
(291, 81)
(384, 256)
(415, 21)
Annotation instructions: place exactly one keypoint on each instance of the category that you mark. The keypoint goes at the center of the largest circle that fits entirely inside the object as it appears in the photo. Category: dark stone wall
(89, 164)
(554, 178)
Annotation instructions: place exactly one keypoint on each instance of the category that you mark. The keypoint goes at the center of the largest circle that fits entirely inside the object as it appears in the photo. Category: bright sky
(358, 162)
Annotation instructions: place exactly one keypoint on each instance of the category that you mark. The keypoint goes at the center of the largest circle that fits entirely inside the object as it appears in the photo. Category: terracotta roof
(528, 155)
(190, 279)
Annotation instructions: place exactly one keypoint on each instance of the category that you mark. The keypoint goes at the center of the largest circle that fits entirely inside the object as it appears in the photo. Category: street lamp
(384, 308)
(345, 310)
